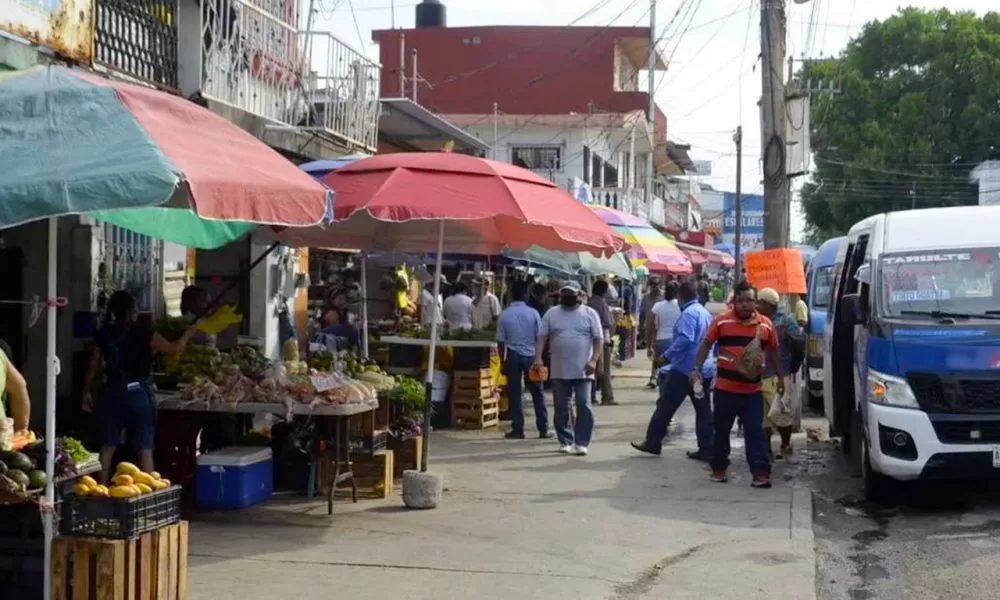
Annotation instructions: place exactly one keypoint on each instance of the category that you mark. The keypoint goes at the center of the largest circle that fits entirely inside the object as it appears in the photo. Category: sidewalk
(520, 520)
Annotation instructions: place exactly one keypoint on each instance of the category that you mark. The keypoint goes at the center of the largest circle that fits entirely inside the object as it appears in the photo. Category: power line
(354, 17)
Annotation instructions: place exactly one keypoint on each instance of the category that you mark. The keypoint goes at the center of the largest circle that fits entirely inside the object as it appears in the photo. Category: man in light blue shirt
(517, 331)
(688, 335)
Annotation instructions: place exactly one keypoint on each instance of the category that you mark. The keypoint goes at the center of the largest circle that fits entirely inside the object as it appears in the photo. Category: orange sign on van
(778, 268)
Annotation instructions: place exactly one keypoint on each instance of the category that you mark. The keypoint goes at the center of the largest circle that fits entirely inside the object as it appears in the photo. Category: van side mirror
(853, 310)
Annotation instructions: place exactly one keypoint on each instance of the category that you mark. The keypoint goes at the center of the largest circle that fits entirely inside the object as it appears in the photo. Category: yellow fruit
(123, 491)
(81, 490)
(154, 475)
(143, 488)
(100, 491)
(88, 481)
(166, 482)
(127, 468)
(122, 479)
(142, 478)
(158, 485)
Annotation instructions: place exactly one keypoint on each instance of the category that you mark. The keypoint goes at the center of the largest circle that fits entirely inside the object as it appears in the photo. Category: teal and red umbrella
(649, 248)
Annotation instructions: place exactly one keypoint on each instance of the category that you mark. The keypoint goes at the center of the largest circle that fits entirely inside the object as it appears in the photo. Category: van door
(829, 347)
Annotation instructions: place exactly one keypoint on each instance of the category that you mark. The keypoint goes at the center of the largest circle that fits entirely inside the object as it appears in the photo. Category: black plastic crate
(120, 518)
(369, 444)
(471, 358)
(406, 356)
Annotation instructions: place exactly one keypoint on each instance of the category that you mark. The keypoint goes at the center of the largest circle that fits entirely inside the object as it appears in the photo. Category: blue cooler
(234, 477)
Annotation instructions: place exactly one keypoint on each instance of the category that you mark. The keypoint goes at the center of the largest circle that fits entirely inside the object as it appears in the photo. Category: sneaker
(719, 476)
(513, 435)
(580, 450)
(566, 448)
(608, 403)
(544, 435)
(695, 455)
(643, 447)
(762, 482)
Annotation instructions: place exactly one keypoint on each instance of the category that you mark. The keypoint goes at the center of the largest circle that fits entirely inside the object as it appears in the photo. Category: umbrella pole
(364, 305)
(51, 371)
(429, 382)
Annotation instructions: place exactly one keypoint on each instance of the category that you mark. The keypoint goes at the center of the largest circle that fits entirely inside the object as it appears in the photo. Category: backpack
(750, 363)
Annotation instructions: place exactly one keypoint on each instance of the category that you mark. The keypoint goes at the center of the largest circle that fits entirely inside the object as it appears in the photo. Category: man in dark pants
(738, 382)
(517, 330)
(599, 304)
(689, 334)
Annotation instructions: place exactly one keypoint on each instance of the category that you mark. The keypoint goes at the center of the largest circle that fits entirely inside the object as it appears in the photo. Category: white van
(911, 370)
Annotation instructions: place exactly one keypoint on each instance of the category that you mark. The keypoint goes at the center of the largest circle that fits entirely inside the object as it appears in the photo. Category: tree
(918, 109)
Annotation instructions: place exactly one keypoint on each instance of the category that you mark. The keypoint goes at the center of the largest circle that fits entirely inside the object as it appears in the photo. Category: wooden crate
(152, 567)
(373, 475)
(475, 414)
(406, 454)
(476, 384)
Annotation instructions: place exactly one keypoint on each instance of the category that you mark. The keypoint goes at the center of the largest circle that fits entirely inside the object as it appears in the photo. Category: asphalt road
(940, 540)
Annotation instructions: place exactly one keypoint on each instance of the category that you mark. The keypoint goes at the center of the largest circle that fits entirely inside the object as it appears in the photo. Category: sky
(713, 82)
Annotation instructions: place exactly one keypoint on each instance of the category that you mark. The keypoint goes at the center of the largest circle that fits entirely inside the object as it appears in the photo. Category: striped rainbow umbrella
(649, 247)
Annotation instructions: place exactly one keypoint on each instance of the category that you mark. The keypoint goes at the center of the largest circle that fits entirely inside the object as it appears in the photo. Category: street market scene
(398, 299)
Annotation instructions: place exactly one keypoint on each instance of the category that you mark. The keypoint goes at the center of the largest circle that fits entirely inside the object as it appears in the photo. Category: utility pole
(774, 122)
(738, 208)
(402, 65)
(416, 76)
(496, 135)
(647, 193)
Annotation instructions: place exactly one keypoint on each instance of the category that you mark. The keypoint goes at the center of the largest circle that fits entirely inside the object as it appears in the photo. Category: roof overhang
(637, 51)
(404, 121)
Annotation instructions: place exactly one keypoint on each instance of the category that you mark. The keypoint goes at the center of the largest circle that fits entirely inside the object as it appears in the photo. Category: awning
(708, 255)
(406, 123)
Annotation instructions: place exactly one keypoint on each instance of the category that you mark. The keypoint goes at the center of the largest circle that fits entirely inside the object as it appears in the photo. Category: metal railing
(343, 92)
(138, 38)
(252, 59)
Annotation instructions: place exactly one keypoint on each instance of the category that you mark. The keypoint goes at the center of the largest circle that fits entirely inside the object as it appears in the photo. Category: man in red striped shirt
(738, 383)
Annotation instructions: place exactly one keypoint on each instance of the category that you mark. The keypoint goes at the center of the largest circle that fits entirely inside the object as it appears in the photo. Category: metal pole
(651, 107)
(51, 372)
(364, 305)
(738, 208)
(416, 75)
(631, 157)
(392, 14)
(773, 120)
(402, 65)
(496, 135)
(429, 381)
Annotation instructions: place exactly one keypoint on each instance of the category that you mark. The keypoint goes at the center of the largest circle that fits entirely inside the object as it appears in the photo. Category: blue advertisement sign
(753, 221)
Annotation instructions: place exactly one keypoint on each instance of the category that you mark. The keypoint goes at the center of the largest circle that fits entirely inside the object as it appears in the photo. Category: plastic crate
(406, 356)
(120, 518)
(471, 358)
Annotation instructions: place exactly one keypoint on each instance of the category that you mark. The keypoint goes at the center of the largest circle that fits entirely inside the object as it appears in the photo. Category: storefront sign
(64, 26)
(779, 269)
(753, 221)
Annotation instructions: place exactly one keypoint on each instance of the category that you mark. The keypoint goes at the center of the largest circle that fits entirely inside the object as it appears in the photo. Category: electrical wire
(354, 17)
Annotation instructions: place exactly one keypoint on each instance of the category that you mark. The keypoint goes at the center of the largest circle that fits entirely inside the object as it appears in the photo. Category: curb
(801, 516)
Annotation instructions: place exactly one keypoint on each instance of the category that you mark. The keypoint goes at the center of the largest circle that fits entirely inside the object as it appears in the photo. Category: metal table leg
(341, 462)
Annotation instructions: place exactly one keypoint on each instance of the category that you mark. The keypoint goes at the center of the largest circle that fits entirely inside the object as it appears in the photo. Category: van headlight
(890, 390)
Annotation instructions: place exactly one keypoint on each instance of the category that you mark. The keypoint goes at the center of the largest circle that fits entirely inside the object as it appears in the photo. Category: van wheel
(878, 488)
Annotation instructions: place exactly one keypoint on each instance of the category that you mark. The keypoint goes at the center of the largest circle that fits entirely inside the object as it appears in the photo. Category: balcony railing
(138, 38)
(627, 200)
(343, 96)
(252, 59)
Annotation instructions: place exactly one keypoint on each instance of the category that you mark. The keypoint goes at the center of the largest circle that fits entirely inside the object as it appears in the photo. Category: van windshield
(822, 287)
(949, 281)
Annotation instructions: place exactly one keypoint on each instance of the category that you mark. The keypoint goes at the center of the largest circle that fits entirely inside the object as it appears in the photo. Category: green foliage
(918, 109)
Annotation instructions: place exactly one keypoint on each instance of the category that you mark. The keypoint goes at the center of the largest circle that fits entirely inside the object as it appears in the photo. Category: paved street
(520, 520)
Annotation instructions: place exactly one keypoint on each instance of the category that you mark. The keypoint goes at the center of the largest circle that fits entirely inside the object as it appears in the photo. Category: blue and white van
(911, 372)
(819, 294)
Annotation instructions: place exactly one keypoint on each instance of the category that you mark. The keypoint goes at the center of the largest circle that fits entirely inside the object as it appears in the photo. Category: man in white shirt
(430, 307)
(458, 308)
(486, 309)
(665, 315)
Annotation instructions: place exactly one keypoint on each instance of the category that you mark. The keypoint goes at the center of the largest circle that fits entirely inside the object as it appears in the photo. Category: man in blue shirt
(517, 331)
(688, 335)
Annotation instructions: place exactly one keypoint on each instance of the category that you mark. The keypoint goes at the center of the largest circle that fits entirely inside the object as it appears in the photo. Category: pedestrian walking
(574, 335)
(689, 334)
(791, 349)
(704, 292)
(517, 332)
(598, 302)
(647, 328)
(665, 315)
(743, 334)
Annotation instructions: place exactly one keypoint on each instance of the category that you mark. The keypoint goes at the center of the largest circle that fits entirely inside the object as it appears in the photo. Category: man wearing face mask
(575, 338)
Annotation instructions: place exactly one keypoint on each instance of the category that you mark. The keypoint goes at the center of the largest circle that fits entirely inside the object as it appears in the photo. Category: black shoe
(651, 385)
(608, 403)
(693, 455)
(513, 435)
(642, 447)
(544, 435)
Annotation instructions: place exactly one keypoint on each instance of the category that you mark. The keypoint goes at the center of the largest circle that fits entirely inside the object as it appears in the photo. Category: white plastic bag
(778, 410)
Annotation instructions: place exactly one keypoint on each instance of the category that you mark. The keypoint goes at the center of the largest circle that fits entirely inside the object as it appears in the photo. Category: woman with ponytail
(127, 400)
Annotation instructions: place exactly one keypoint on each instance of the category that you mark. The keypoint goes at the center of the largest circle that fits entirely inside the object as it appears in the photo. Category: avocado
(19, 477)
(37, 480)
(20, 462)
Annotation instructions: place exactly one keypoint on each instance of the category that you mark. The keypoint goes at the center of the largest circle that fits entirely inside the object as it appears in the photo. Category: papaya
(158, 485)
(142, 478)
(88, 481)
(154, 474)
(123, 491)
(100, 491)
(143, 488)
(122, 479)
(127, 468)
(81, 490)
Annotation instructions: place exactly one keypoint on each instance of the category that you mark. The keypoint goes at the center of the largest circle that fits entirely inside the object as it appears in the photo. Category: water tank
(431, 13)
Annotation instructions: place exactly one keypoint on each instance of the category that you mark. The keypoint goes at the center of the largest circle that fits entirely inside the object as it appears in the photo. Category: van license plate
(996, 458)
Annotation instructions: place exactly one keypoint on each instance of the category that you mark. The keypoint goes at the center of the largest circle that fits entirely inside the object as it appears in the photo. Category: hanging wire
(38, 307)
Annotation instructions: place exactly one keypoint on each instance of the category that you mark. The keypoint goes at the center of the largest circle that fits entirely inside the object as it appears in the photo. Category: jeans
(603, 379)
(516, 368)
(750, 409)
(563, 392)
(673, 390)
(131, 407)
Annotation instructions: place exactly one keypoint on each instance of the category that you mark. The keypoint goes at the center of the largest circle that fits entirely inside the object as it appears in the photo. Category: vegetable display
(410, 394)
(128, 482)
